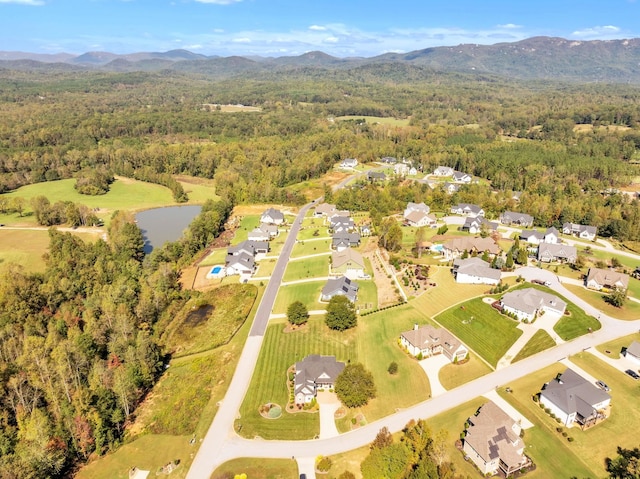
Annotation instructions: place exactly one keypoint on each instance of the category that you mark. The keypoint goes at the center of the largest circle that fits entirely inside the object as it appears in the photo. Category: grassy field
(23, 247)
(217, 256)
(307, 268)
(383, 120)
(550, 451)
(307, 293)
(630, 310)
(265, 267)
(306, 248)
(615, 347)
(626, 261)
(367, 295)
(454, 375)
(446, 293)
(257, 468)
(198, 190)
(482, 328)
(538, 342)
(247, 223)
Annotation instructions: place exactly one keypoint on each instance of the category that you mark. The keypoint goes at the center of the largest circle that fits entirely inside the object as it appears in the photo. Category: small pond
(160, 225)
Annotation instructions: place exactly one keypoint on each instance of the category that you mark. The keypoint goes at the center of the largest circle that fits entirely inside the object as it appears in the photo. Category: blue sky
(292, 27)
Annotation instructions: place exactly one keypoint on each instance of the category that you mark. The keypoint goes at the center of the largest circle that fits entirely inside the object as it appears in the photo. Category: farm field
(25, 248)
(482, 328)
(198, 190)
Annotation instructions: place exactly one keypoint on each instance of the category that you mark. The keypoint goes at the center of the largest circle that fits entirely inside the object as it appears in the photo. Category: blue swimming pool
(437, 247)
(216, 270)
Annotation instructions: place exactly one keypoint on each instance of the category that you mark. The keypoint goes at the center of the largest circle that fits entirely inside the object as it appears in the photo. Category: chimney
(415, 327)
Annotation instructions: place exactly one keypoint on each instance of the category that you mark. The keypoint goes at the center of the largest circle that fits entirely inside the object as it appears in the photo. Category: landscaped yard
(454, 375)
(482, 328)
(538, 342)
(316, 267)
(257, 468)
(217, 256)
(307, 293)
(309, 247)
(247, 223)
(367, 295)
(629, 311)
(615, 347)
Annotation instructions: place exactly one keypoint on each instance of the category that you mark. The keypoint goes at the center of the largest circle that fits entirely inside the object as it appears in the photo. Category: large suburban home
(475, 271)
(551, 236)
(376, 176)
(390, 160)
(420, 207)
(581, 231)
(348, 263)
(456, 247)
(419, 219)
(342, 241)
(249, 247)
(478, 224)
(401, 169)
(313, 373)
(325, 210)
(460, 177)
(341, 286)
(341, 224)
(548, 252)
(573, 399)
(272, 216)
(264, 232)
(527, 303)
(532, 236)
(242, 264)
(450, 188)
(443, 171)
(633, 352)
(467, 209)
(492, 441)
(600, 279)
(349, 163)
(428, 341)
(515, 218)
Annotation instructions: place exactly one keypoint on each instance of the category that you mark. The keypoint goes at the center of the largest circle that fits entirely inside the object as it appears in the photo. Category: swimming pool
(218, 271)
(437, 248)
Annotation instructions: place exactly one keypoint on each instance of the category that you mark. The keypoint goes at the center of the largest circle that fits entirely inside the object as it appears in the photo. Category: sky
(272, 28)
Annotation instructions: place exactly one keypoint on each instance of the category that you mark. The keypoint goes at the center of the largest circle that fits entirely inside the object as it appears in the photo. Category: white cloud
(318, 28)
(193, 47)
(219, 2)
(24, 2)
(509, 26)
(605, 31)
(331, 40)
(241, 40)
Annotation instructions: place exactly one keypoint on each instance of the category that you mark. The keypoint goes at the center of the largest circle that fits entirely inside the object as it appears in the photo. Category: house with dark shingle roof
(460, 177)
(467, 209)
(443, 171)
(342, 241)
(272, 216)
(492, 441)
(477, 224)
(515, 218)
(341, 286)
(573, 399)
(581, 231)
(313, 373)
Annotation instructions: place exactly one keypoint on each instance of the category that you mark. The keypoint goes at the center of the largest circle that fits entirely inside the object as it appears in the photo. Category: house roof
(515, 217)
(341, 285)
(340, 258)
(325, 209)
(315, 368)
(258, 234)
(478, 222)
(634, 349)
(427, 337)
(417, 216)
(451, 186)
(417, 207)
(526, 234)
(459, 175)
(557, 250)
(241, 260)
(443, 171)
(608, 277)
(572, 393)
(476, 267)
(377, 175)
(468, 207)
(491, 435)
(577, 228)
(273, 214)
(345, 220)
(347, 239)
(529, 300)
(466, 243)
(552, 230)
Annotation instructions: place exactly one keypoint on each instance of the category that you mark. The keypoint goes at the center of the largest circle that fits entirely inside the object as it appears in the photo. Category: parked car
(633, 374)
(541, 281)
(603, 385)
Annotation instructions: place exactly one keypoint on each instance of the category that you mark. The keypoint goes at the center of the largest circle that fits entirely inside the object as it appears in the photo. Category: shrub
(393, 368)
(570, 439)
(323, 464)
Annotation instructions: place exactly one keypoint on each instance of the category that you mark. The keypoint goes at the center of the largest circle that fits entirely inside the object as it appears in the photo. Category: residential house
(532, 236)
(467, 209)
(478, 224)
(366, 230)
(428, 341)
(460, 177)
(401, 169)
(242, 264)
(264, 232)
(325, 210)
(527, 303)
(313, 373)
(450, 188)
(249, 247)
(349, 163)
(341, 241)
(340, 286)
(599, 279)
(443, 171)
(376, 175)
(475, 271)
(419, 219)
(492, 441)
(390, 160)
(552, 236)
(548, 252)
(515, 218)
(456, 247)
(272, 217)
(573, 399)
(341, 224)
(581, 231)
(348, 263)
(413, 171)
(633, 352)
(411, 207)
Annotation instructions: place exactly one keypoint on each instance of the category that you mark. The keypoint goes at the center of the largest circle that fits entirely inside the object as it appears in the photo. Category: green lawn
(606, 256)
(367, 295)
(633, 289)
(217, 256)
(454, 375)
(615, 347)
(306, 248)
(247, 223)
(23, 247)
(630, 310)
(549, 450)
(307, 268)
(307, 293)
(266, 267)
(482, 328)
(538, 342)
(198, 190)
(257, 468)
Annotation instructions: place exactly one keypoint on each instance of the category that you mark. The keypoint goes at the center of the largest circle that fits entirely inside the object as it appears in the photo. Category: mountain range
(541, 58)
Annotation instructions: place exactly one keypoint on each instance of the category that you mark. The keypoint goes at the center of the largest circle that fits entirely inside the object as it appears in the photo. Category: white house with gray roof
(475, 271)
(421, 207)
(527, 303)
(478, 224)
(515, 218)
(573, 399)
(633, 352)
(313, 373)
(548, 252)
(272, 216)
(599, 279)
(443, 171)
(460, 177)
(581, 231)
(428, 341)
(341, 286)
(467, 209)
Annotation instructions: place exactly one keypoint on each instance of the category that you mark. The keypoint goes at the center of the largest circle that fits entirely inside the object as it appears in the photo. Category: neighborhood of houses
(492, 438)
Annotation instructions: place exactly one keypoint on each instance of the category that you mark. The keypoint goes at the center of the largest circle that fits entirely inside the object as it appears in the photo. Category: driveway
(432, 367)
(329, 404)
(307, 466)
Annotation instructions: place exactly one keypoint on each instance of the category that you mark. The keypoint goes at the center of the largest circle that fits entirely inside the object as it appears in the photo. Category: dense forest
(79, 347)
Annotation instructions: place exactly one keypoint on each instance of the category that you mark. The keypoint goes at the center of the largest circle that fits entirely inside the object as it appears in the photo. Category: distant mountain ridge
(534, 58)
